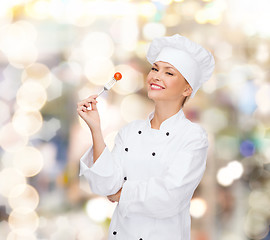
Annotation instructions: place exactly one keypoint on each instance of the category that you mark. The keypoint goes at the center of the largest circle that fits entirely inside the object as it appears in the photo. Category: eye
(154, 69)
(169, 73)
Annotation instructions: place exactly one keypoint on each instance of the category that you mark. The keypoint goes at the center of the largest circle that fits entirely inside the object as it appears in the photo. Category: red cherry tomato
(117, 76)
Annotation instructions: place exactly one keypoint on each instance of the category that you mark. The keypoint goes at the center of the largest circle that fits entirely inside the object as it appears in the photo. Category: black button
(140, 132)
(140, 239)
(126, 149)
(153, 154)
(167, 133)
(125, 178)
(114, 233)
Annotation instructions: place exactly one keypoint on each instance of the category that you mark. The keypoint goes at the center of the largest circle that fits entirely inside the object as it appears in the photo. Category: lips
(156, 86)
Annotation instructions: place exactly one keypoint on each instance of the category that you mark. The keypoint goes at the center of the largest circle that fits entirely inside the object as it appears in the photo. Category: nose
(157, 77)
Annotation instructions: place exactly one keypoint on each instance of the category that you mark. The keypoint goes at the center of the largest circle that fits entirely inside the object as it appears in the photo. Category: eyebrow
(164, 67)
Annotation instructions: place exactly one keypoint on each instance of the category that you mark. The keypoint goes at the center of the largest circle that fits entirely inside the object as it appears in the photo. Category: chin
(155, 97)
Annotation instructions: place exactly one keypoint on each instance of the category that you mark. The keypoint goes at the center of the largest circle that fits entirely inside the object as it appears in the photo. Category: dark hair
(186, 97)
(185, 100)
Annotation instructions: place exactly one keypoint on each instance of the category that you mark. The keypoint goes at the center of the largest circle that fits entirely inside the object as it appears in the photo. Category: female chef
(157, 163)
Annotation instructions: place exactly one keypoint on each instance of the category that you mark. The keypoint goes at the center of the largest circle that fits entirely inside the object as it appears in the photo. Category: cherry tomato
(117, 76)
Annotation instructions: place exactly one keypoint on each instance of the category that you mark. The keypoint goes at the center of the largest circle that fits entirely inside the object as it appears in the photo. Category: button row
(114, 233)
(153, 153)
(167, 133)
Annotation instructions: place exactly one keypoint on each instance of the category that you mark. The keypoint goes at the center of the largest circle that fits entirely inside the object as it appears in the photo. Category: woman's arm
(98, 143)
(101, 167)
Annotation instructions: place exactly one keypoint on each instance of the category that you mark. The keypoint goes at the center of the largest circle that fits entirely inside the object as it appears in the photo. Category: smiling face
(166, 83)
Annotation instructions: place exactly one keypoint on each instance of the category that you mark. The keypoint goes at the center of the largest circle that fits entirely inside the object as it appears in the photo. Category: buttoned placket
(163, 130)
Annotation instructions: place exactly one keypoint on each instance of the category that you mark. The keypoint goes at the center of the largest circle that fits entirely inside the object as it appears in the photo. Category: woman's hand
(91, 117)
(115, 197)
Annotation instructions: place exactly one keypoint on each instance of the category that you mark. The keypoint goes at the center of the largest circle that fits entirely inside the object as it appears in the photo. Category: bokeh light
(37, 72)
(23, 219)
(23, 196)
(9, 179)
(29, 161)
(197, 207)
(98, 209)
(27, 123)
(247, 148)
(21, 234)
(131, 107)
(31, 96)
(99, 70)
(54, 53)
(131, 82)
(10, 139)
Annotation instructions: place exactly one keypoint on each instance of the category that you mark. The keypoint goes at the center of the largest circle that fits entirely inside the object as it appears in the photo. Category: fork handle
(101, 91)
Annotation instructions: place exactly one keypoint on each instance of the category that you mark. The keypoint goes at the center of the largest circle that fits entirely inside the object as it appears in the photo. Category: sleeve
(168, 194)
(105, 176)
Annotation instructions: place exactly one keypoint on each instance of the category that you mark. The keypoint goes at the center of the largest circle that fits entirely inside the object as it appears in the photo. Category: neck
(162, 112)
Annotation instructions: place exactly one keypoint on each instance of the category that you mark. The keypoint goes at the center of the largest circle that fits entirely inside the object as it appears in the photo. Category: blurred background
(54, 53)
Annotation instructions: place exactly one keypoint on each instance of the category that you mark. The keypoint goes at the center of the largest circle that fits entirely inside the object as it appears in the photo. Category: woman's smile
(154, 86)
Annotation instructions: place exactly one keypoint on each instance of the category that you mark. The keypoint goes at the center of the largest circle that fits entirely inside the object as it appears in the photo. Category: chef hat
(194, 62)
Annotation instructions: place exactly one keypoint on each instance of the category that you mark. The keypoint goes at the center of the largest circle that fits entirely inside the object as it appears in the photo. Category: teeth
(155, 86)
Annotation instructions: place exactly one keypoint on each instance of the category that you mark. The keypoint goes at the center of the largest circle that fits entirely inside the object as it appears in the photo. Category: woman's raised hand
(91, 117)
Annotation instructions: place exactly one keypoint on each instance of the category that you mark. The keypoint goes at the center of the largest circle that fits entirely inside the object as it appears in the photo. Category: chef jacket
(158, 171)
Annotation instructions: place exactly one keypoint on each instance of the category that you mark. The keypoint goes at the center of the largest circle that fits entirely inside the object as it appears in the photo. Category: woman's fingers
(86, 102)
(93, 96)
(81, 108)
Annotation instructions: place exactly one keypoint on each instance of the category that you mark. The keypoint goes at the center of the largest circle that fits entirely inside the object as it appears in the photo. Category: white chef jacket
(158, 170)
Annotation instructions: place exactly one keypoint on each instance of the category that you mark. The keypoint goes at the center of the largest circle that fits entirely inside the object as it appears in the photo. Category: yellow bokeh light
(18, 43)
(10, 178)
(165, 2)
(255, 224)
(21, 234)
(133, 107)
(131, 82)
(147, 9)
(29, 161)
(6, 13)
(197, 207)
(29, 31)
(21, 56)
(201, 17)
(77, 13)
(5, 112)
(224, 177)
(99, 70)
(23, 196)
(97, 44)
(171, 20)
(211, 13)
(27, 123)
(98, 209)
(37, 72)
(31, 96)
(263, 98)
(38, 9)
(23, 219)
(12, 32)
(141, 49)
(10, 139)
(153, 30)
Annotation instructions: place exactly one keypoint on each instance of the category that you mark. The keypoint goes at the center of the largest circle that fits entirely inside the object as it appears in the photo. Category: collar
(169, 122)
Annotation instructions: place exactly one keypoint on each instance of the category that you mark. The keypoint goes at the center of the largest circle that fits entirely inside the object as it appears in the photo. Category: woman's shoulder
(195, 129)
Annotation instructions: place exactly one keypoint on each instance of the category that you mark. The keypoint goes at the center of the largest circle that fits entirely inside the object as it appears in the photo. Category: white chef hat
(194, 62)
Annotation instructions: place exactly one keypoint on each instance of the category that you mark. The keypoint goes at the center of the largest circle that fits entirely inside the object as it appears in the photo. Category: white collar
(169, 122)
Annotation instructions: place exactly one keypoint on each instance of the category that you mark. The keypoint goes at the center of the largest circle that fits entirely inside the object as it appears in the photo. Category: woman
(157, 163)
